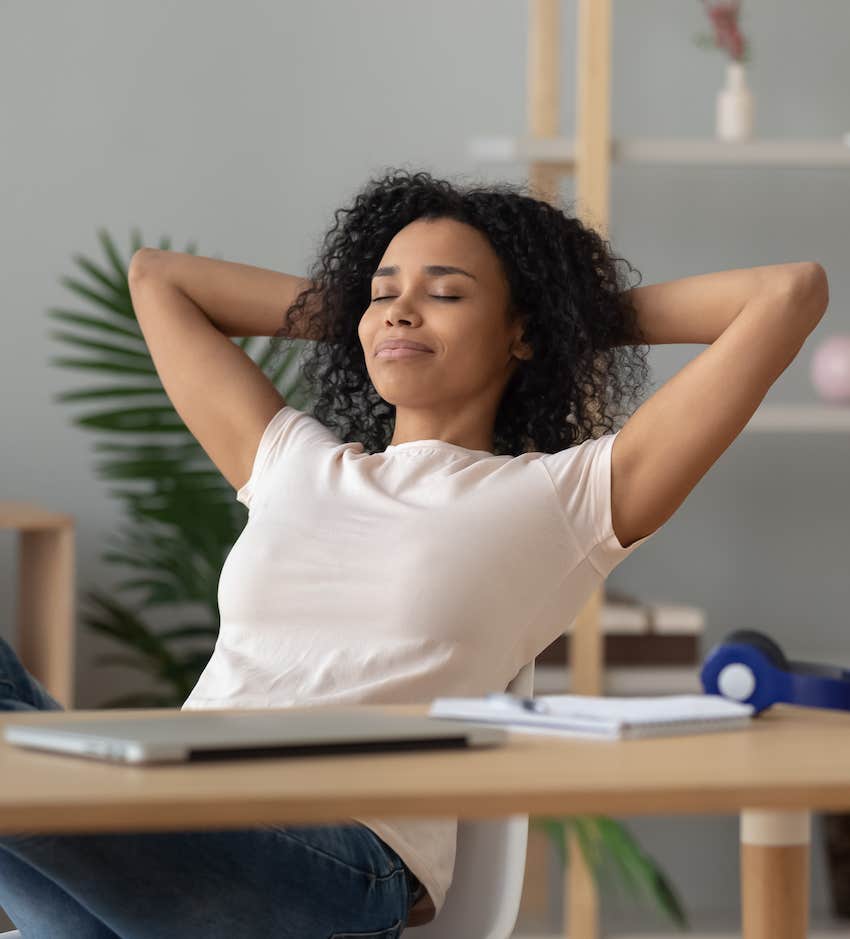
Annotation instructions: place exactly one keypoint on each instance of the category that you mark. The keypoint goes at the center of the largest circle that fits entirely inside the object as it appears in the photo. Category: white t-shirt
(423, 571)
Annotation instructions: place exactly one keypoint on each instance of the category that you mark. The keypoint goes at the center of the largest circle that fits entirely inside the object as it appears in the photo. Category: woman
(438, 521)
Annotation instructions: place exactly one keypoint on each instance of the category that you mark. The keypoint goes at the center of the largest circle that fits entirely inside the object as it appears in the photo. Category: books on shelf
(625, 680)
(640, 634)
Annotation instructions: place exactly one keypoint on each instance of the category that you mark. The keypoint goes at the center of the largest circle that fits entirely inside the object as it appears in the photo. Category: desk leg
(775, 874)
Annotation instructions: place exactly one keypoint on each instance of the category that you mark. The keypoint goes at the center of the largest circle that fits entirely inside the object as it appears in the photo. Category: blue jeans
(278, 882)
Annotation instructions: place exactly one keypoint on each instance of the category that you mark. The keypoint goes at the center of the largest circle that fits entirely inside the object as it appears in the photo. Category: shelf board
(780, 151)
(801, 418)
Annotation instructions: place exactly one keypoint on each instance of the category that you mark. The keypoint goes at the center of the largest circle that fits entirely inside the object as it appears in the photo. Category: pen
(504, 699)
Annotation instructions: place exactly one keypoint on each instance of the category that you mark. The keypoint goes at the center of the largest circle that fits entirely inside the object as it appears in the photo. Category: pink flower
(724, 19)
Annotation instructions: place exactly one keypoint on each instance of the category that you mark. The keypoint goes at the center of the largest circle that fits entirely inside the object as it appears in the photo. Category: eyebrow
(435, 270)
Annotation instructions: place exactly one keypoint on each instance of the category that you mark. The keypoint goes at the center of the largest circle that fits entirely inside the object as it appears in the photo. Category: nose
(399, 313)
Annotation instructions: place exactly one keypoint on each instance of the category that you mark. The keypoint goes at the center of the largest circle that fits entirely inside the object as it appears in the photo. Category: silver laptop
(183, 736)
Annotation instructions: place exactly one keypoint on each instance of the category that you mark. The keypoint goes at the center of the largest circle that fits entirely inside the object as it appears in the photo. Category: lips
(402, 353)
(401, 344)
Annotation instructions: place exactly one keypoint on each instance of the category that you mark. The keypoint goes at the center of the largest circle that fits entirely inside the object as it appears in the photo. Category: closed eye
(377, 299)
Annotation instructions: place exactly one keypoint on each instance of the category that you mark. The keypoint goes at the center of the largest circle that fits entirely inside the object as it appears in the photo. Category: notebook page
(622, 732)
(603, 717)
(644, 710)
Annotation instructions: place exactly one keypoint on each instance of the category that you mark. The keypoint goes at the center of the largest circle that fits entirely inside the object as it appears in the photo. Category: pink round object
(830, 369)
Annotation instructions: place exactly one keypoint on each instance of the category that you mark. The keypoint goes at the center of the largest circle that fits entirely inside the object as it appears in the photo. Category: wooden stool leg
(775, 874)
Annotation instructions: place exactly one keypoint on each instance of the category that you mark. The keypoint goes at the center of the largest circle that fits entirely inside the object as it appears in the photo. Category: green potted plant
(184, 521)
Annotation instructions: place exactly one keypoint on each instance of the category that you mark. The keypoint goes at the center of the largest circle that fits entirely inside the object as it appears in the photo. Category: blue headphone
(750, 667)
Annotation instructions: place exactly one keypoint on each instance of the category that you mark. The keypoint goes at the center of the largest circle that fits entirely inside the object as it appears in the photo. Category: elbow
(140, 263)
(817, 287)
(812, 277)
(808, 286)
(821, 283)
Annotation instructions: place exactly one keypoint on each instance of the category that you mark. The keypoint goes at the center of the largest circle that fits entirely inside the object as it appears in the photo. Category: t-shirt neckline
(431, 444)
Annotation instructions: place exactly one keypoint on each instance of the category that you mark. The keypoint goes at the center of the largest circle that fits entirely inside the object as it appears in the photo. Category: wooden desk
(792, 761)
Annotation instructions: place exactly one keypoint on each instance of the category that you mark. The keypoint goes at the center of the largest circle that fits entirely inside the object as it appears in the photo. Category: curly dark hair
(588, 356)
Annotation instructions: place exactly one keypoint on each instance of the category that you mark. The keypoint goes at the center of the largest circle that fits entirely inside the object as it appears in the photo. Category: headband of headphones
(750, 667)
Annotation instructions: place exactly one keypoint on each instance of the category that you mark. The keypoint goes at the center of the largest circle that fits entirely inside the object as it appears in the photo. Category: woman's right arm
(239, 299)
(223, 397)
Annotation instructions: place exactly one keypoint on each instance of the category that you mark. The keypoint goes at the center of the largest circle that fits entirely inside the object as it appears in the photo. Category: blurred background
(241, 127)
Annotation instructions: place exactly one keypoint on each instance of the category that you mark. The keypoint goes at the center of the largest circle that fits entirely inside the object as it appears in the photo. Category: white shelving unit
(561, 152)
(589, 157)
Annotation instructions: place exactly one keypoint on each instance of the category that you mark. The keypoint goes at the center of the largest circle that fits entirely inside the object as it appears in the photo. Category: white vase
(735, 105)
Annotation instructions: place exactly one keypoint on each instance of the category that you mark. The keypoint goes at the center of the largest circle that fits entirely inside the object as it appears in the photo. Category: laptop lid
(184, 736)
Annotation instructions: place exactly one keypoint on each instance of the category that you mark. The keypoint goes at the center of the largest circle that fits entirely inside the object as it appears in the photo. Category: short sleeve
(288, 433)
(582, 479)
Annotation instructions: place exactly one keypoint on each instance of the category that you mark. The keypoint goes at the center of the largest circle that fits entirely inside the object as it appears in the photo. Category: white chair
(483, 899)
(484, 896)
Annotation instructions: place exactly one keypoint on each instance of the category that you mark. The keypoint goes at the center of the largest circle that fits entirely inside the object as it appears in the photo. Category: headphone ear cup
(763, 643)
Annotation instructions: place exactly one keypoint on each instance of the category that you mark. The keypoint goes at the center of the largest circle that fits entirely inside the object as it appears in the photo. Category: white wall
(243, 125)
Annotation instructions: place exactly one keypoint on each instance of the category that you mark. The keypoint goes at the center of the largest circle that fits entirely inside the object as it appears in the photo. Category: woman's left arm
(680, 431)
(699, 308)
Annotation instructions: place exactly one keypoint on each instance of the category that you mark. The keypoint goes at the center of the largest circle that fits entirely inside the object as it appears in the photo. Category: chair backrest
(484, 896)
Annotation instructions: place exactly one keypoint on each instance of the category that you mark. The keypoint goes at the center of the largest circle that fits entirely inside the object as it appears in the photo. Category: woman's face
(460, 315)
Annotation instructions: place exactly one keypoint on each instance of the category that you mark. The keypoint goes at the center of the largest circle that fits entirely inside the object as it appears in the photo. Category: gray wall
(242, 126)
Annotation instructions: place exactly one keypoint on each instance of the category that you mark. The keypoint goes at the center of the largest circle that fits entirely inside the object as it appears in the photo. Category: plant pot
(734, 116)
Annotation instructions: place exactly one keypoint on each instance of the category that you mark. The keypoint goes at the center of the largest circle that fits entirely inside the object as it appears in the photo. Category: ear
(522, 350)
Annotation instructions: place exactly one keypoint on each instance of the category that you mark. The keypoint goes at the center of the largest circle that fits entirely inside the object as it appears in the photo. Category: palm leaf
(190, 631)
(96, 366)
(152, 419)
(107, 392)
(117, 283)
(112, 303)
(614, 858)
(80, 319)
(639, 871)
(118, 265)
(99, 346)
(175, 451)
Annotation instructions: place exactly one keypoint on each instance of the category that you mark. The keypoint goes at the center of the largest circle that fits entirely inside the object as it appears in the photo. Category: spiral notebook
(570, 715)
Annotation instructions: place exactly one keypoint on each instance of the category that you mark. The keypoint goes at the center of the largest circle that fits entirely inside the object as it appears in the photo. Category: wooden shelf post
(592, 172)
